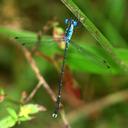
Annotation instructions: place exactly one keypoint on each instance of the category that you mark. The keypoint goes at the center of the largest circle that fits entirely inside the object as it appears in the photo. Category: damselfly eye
(75, 23)
(66, 21)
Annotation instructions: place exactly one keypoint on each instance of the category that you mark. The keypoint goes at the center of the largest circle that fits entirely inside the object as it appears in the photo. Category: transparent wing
(46, 44)
(79, 57)
(31, 41)
(89, 57)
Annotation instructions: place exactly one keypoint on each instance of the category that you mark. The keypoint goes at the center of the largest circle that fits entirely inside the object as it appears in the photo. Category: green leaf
(2, 91)
(116, 10)
(27, 110)
(12, 113)
(7, 122)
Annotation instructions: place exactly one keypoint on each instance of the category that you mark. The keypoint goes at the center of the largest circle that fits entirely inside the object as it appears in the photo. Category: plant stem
(99, 105)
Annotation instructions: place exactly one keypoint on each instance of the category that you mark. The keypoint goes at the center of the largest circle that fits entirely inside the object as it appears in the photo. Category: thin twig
(38, 75)
(98, 105)
(43, 83)
(63, 116)
(32, 94)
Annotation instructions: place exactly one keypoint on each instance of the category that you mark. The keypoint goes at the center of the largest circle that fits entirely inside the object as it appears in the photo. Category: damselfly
(98, 60)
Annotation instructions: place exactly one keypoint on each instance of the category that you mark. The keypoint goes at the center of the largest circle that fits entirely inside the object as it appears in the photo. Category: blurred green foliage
(94, 80)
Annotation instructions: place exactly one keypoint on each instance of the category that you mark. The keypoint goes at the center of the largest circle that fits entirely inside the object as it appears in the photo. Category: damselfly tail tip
(54, 115)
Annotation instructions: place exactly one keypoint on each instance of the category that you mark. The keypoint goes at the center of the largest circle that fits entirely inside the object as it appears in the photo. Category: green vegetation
(95, 82)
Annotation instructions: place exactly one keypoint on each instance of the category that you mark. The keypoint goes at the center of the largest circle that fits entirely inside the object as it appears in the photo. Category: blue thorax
(69, 30)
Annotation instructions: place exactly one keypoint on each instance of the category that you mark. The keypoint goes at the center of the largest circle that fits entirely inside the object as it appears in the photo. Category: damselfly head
(71, 21)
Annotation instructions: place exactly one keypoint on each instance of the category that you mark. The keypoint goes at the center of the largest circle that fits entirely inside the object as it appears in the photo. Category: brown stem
(43, 83)
(98, 105)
